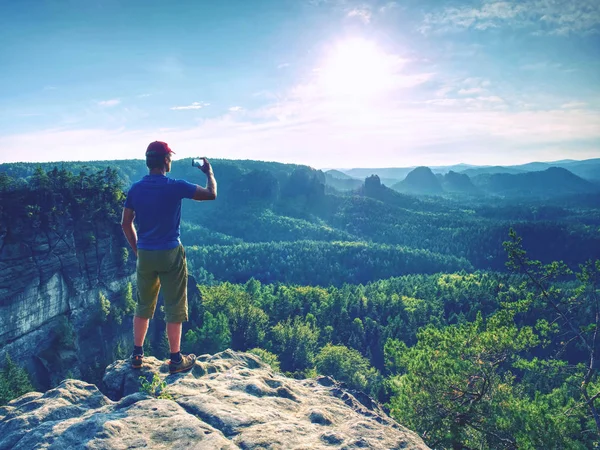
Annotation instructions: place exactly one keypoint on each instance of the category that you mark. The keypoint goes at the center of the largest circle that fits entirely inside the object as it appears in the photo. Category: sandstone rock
(48, 278)
(44, 275)
(228, 400)
(76, 415)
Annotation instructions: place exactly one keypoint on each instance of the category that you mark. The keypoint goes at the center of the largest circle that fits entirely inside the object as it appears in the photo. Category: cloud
(476, 81)
(283, 65)
(491, 99)
(574, 105)
(323, 135)
(236, 108)
(489, 102)
(388, 7)
(194, 105)
(539, 16)
(109, 103)
(50, 88)
(265, 94)
(363, 14)
(471, 91)
(471, 86)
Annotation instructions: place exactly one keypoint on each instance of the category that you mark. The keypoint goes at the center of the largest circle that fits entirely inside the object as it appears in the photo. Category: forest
(473, 320)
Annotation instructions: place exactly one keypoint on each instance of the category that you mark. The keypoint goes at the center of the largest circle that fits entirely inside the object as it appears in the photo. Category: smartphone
(197, 162)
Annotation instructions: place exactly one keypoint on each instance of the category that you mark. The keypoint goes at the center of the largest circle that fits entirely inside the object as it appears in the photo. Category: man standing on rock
(155, 203)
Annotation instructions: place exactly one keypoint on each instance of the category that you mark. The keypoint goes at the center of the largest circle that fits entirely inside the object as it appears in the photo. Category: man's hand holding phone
(203, 165)
(210, 191)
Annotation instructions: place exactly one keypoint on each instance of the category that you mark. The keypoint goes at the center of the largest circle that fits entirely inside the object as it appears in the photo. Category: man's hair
(155, 161)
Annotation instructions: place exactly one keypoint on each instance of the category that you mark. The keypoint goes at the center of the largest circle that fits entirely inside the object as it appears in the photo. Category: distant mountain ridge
(491, 170)
(338, 174)
(554, 181)
(420, 181)
(588, 169)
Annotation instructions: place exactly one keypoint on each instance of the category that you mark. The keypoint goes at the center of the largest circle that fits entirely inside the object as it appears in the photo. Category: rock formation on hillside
(458, 182)
(420, 181)
(229, 400)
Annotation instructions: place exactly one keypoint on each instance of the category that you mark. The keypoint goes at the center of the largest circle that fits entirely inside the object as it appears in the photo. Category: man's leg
(140, 328)
(148, 286)
(174, 283)
(174, 335)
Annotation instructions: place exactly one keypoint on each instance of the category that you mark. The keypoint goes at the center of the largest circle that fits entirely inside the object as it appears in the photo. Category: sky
(327, 83)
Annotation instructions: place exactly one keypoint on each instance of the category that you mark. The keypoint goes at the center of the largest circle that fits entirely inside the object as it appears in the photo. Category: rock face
(46, 276)
(227, 401)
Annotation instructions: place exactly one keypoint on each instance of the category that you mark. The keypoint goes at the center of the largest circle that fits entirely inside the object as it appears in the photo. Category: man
(155, 203)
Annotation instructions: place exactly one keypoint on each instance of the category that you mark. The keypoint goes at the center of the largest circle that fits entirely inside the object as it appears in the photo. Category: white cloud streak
(574, 105)
(194, 105)
(388, 7)
(362, 14)
(539, 16)
(471, 91)
(109, 103)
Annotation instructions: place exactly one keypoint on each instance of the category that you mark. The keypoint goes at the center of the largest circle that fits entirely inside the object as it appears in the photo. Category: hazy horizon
(326, 83)
(323, 168)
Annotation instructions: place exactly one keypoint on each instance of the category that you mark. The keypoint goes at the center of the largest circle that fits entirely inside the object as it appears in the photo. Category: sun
(356, 68)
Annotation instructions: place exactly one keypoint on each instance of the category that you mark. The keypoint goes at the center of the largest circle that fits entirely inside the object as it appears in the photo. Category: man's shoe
(136, 361)
(186, 363)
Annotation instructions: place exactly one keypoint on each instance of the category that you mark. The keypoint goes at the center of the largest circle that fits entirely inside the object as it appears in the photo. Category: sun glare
(357, 68)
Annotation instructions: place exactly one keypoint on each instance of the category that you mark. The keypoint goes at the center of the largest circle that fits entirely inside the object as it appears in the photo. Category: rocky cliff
(228, 401)
(47, 275)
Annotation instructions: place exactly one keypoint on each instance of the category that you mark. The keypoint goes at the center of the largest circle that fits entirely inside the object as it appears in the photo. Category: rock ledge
(229, 400)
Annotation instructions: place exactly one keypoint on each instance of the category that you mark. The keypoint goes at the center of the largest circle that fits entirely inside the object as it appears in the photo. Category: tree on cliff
(575, 324)
(349, 366)
(14, 381)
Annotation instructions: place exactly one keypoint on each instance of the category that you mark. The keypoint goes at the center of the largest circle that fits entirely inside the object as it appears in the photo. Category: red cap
(158, 148)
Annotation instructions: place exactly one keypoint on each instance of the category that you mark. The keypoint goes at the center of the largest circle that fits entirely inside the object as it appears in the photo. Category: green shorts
(165, 270)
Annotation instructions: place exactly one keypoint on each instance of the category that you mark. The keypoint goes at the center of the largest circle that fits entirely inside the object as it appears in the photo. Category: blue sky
(329, 83)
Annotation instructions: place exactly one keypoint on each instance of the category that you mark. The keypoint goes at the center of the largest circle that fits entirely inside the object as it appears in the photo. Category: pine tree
(15, 381)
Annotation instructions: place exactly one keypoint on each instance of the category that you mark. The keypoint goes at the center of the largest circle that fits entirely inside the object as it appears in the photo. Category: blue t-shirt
(156, 200)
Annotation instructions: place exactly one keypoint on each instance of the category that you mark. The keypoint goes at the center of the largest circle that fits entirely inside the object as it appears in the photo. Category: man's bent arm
(128, 229)
(210, 191)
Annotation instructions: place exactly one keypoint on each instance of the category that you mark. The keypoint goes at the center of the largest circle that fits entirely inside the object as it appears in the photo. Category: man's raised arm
(210, 191)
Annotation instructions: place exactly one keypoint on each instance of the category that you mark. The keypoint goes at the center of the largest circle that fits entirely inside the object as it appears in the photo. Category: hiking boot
(186, 363)
(136, 361)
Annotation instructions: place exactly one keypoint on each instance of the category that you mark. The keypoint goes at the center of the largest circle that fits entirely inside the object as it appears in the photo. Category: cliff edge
(228, 400)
